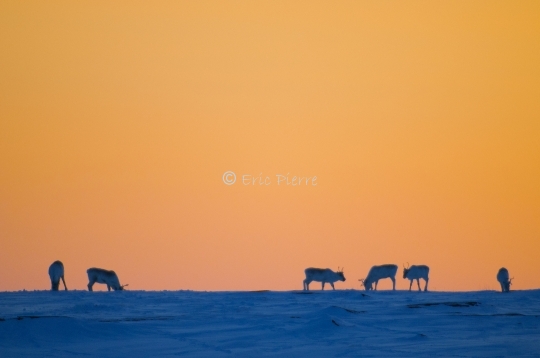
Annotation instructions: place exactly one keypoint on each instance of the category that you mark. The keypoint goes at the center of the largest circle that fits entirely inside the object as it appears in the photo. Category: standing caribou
(503, 278)
(416, 272)
(103, 276)
(322, 275)
(377, 273)
(56, 272)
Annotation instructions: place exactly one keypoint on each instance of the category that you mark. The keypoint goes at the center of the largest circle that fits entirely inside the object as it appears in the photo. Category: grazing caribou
(322, 275)
(103, 276)
(503, 278)
(56, 272)
(416, 272)
(377, 273)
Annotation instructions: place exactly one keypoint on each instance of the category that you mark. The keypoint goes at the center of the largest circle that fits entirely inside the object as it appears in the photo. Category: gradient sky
(420, 119)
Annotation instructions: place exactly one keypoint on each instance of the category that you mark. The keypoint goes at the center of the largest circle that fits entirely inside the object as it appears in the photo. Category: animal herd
(376, 273)
(56, 272)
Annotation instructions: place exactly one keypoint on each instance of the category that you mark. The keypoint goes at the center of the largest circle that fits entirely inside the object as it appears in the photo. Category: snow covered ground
(258, 324)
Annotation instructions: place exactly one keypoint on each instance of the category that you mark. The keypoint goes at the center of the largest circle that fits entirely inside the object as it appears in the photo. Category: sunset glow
(118, 121)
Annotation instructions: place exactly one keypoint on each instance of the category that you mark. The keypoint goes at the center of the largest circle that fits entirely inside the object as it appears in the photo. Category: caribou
(56, 273)
(103, 276)
(502, 277)
(377, 273)
(323, 276)
(416, 272)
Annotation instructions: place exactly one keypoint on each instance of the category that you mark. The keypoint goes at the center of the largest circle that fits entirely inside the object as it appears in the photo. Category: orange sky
(420, 119)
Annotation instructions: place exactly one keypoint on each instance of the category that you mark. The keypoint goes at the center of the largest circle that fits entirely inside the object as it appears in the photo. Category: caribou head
(406, 270)
(340, 274)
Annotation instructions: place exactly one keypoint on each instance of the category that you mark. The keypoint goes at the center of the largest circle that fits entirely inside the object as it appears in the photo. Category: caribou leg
(410, 285)
(64, 281)
(425, 288)
(393, 283)
(332, 284)
(418, 282)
